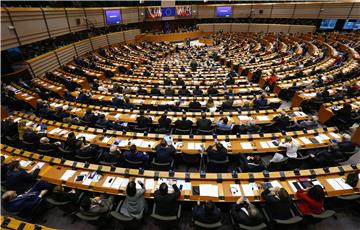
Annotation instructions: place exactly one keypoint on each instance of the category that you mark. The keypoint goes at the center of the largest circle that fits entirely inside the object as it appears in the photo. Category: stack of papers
(209, 190)
(246, 145)
(149, 184)
(195, 146)
(338, 184)
(24, 164)
(67, 174)
(334, 135)
(263, 118)
(305, 140)
(249, 189)
(120, 183)
(245, 118)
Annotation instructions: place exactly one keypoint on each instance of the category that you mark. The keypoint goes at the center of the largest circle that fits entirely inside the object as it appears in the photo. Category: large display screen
(183, 11)
(153, 12)
(328, 24)
(223, 11)
(168, 11)
(113, 17)
(352, 24)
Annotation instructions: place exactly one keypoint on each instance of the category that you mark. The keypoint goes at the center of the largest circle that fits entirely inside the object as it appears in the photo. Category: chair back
(183, 131)
(191, 158)
(162, 166)
(205, 132)
(133, 164)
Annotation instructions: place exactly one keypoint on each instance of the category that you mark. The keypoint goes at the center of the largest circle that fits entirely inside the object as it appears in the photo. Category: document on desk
(178, 145)
(249, 189)
(149, 184)
(63, 133)
(185, 185)
(246, 145)
(108, 181)
(38, 165)
(271, 144)
(147, 144)
(226, 144)
(319, 139)
(343, 184)
(195, 146)
(305, 140)
(244, 118)
(334, 184)
(24, 164)
(136, 142)
(291, 183)
(275, 184)
(324, 137)
(334, 135)
(106, 140)
(142, 180)
(68, 173)
(133, 116)
(264, 145)
(300, 114)
(209, 190)
(235, 190)
(263, 118)
(120, 183)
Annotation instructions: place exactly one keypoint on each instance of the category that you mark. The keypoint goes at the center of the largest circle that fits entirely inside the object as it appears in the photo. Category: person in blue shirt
(223, 124)
(18, 179)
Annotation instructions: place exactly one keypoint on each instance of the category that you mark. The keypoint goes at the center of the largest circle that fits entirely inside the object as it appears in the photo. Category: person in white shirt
(291, 147)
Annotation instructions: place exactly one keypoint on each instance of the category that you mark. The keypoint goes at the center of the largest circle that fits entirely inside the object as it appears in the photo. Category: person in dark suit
(164, 153)
(89, 116)
(142, 121)
(96, 206)
(193, 65)
(9, 127)
(281, 121)
(246, 213)
(62, 194)
(71, 143)
(167, 81)
(343, 113)
(206, 213)
(183, 123)
(155, 90)
(141, 91)
(47, 146)
(59, 114)
(169, 91)
(86, 149)
(31, 136)
(164, 122)
(18, 179)
(217, 152)
(4, 169)
(194, 104)
(260, 102)
(68, 96)
(227, 104)
(180, 81)
(251, 164)
(113, 156)
(203, 123)
(212, 90)
(197, 91)
(166, 203)
(346, 145)
(102, 122)
(133, 155)
(184, 91)
(117, 101)
(278, 203)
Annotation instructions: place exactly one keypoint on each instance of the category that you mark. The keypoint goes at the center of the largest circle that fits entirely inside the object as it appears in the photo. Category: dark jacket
(278, 209)
(204, 124)
(143, 121)
(216, 154)
(183, 124)
(164, 154)
(167, 205)
(19, 180)
(194, 105)
(138, 156)
(241, 217)
(201, 215)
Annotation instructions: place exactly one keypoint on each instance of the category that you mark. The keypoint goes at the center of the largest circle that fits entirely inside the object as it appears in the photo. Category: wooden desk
(325, 112)
(172, 37)
(11, 223)
(54, 168)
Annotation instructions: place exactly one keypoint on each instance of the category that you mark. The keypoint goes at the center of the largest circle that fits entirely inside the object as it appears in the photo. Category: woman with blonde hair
(291, 147)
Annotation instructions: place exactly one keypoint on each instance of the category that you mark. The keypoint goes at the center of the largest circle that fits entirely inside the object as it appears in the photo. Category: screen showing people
(113, 17)
(328, 24)
(153, 12)
(351, 24)
(223, 11)
(183, 11)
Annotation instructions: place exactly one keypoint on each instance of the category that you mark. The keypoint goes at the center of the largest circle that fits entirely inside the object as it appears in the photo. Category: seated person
(281, 121)
(71, 143)
(95, 206)
(183, 123)
(223, 124)
(184, 91)
(4, 169)
(25, 202)
(63, 194)
(251, 163)
(203, 123)
(210, 105)
(169, 91)
(246, 106)
(31, 136)
(47, 146)
(228, 103)
(197, 91)
(246, 213)
(9, 127)
(291, 147)
(167, 81)
(260, 102)
(346, 145)
(133, 155)
(206, 213)
(250, 127)
(164, 153)
(155, 90)
(309, 123)
(141, 91)
(166, 203)
(89, 116)
(18, 179)
(164, 122)
(103, 123)
(134, 205)
(217, 152)
(212, 90)
(60, 114)
(179, 81)
(195, 104)
(278, 203)
(312, 200)
(142, 121)
(326, 157)
(86, 150)
(113, 156)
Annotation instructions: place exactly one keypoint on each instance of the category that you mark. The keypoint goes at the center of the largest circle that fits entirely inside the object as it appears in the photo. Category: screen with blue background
(328, 24)
(113, 17)
(352, 24)
(168, 11)
(223, 11)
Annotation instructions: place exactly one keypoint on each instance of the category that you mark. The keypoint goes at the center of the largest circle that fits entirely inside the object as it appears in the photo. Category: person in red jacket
(312, 201)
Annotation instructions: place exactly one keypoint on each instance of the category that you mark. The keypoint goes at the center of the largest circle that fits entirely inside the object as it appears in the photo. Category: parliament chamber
(180, 115)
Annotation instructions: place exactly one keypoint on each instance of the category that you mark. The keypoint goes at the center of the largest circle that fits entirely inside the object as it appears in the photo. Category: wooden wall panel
(240, 27)
(66, 54)
(83, 46)
(206, 27)
(130, 15)
(206, 11)
(355, 11)
(76, 19)
(278, 28)
(43, 63)
(29, 24)
(306, 10)
(99, 41)
(115, 38)
(56, 21)
(8, 36)
(130, 34)
(301, 29)
(265, 8)
(242, 11)
(282, 10)
(226, 27)
(258, 28)
(333, 10)
(95, 16)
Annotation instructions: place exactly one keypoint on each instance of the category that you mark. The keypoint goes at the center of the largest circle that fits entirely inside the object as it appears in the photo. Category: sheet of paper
(323, 136)
(248, 189)
(291, 183)
(149, 184)
(38, 165)
(244, 118)
(106, 140)
(343, 184)
(264, 144)
(209, 190)
(196, 146)
(263, 118)
(235, 190)
(24, 164)
(305, 140)
(68, 173)
(136, 142)
(275, 184)
(271, 144)
(319, 139)
(226, 144)
(334, 184)
(63, 133)
(141, 180)
(108, 181)
(334, 135)
(246, 145)
(147, 144)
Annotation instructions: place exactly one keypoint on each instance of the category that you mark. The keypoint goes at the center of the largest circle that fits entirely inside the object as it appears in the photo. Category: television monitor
(168, 11)
(113, 17)
(223, 11)
(153, 12)
(328, 24)
(351, 24)
(183, 11)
